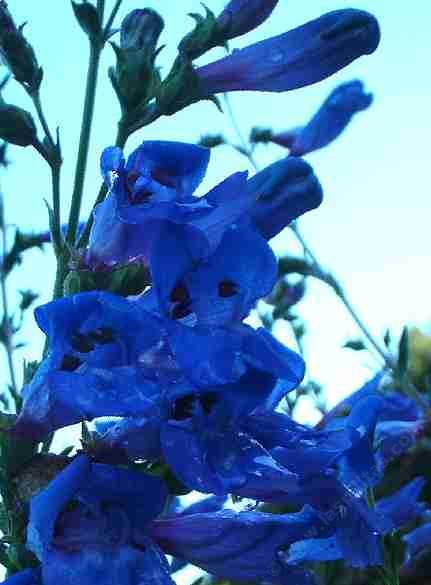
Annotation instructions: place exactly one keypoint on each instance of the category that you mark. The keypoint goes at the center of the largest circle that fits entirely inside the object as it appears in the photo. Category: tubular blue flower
(394, 438)
(396, 406)
(283, 191)
(150, 209)
(94, 348)
(329, 122)
(83, 527)
(242, 546)
(242, 16)
(146, 189)
(297, 58)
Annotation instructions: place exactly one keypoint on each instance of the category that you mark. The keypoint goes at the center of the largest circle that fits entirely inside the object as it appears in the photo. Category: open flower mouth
(184, 407)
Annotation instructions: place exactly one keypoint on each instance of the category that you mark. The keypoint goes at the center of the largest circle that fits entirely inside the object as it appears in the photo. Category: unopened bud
(17, 125)
(135, 77)
(17, 54)
(141, 29)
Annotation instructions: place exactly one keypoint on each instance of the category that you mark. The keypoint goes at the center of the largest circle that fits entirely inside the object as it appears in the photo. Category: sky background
(372, 229)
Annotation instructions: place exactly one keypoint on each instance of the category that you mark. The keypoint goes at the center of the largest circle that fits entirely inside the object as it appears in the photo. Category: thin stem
(6, 318)
(84, 141)
(333, 282)
(38, 107)
(112, 16)
(388, 359)
(244, 146)
(57, 238)
(120, 141)
(101, 8)
(53, 157)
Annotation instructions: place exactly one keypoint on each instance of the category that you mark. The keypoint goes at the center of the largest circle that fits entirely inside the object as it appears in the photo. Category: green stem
(39, 110)
(84, 141)
(111, 18)
(6, 319)
(53, 156)
(388, 359)
(101, 8)
(57, 238)
(120, 141)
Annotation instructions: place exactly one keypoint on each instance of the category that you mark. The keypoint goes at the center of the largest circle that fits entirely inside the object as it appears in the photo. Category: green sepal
(88, 18)
(127, 280)
(355, 345)
(258, 135)
(180, 88)
(211, 140)
(135, 78)
(206, 35)
(162, 470)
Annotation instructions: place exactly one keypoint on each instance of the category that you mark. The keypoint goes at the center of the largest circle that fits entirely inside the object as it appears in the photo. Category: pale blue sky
(373, 227)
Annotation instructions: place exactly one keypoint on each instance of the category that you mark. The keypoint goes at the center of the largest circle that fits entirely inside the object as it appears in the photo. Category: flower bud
(140, 30)
(17, 125)
(135, 76)
(242, 16)
(329, 122)
(297, 58)
(17, 54)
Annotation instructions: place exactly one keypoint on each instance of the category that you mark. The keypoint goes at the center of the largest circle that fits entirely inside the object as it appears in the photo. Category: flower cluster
(177, 381)
(198, 389)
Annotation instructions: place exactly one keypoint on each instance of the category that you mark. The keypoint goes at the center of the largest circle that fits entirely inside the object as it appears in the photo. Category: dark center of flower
(84, 343)
(163, 177)
(182, 408)
(102, 335)
(181, 310)
(227, 288)
(70, 363)
(179, 293)
(81, 343)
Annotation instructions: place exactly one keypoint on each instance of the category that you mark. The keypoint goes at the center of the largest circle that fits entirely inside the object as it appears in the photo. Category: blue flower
(145, 190)
(283, 191)
(329, 122)
(242, 16)
(297, 58)
(205, 306)
(151, 204)
(94, 349)
(89, 526)
(244, 546)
